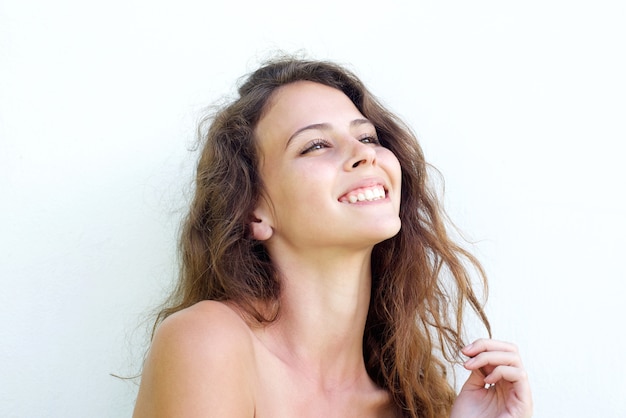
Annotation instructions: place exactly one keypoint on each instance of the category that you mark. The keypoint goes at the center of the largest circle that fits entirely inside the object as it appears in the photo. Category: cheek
(394, 171)
(391, 162)
(293, 188)
(308, 185)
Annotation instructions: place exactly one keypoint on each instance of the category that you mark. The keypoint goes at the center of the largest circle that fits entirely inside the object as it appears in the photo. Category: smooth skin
(207, 361)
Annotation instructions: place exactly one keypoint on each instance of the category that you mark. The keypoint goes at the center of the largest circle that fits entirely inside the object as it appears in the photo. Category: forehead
(301, 92)
(305, 102)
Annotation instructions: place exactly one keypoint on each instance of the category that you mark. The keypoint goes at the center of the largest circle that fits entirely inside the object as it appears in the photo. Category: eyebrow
(323, 126)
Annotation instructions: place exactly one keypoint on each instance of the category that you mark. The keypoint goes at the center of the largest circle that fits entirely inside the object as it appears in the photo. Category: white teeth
(369, 195)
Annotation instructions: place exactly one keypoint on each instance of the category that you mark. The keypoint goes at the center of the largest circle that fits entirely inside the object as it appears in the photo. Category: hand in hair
(498, 385)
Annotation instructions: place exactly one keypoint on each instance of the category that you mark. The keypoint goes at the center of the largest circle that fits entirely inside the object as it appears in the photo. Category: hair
(421, 281)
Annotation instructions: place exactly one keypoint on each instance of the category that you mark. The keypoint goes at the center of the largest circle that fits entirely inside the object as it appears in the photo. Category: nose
(360, 154)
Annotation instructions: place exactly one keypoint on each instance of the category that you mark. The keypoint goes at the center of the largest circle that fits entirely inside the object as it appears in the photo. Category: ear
(260, 223)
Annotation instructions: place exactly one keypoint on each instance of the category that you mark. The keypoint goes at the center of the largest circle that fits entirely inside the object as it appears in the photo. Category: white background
(521, 106)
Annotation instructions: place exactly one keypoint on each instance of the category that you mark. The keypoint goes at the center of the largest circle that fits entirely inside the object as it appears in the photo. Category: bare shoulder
(201, 364)
(203, 330)
(206, 320)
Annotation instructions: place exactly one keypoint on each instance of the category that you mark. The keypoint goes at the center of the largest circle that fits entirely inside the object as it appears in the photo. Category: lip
(370, 182)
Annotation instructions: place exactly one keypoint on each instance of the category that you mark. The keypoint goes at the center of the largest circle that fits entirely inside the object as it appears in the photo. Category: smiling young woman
(309, 177)
(312, 260)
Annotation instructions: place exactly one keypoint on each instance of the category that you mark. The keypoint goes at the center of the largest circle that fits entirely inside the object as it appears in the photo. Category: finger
(493, 358)
(485, 344)
(508, 373)
(518, 378)
(476, 380)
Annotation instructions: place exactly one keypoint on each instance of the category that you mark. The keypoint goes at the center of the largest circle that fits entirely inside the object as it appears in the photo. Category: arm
(200, 364)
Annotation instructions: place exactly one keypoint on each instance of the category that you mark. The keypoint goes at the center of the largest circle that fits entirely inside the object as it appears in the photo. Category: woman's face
(328, 183)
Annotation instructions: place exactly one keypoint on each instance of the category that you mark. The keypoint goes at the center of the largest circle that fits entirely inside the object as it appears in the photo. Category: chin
(384, 232)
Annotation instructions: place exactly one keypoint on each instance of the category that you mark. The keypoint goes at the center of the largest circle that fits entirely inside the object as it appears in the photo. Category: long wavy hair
(421, 279)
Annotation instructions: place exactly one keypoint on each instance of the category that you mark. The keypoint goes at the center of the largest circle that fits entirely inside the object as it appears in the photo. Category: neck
(324, 305)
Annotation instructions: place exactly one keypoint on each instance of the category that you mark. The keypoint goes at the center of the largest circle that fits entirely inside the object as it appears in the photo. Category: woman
(317, 275)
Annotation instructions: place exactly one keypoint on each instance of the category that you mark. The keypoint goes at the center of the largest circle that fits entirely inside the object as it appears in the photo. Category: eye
(314, 146)
(370, 139)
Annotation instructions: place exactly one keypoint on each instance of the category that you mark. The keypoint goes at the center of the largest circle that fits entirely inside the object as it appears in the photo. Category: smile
(364, 194)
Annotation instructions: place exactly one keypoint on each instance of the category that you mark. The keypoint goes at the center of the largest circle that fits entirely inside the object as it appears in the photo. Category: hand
(497, 387)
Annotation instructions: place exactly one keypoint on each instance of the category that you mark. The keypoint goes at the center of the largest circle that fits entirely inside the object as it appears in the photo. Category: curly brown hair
(421, 281)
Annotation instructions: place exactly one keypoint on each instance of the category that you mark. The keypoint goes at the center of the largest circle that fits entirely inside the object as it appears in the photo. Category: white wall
(521, 105)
